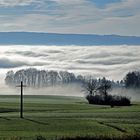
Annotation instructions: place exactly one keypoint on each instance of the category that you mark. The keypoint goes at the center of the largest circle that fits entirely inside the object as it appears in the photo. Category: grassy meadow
(55, 117)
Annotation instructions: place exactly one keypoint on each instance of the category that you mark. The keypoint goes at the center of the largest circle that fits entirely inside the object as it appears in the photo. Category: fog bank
(113, 62)
(67, 90)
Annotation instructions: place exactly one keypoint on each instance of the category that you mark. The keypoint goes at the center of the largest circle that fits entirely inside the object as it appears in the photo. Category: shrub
(120, 100)
(108, 100)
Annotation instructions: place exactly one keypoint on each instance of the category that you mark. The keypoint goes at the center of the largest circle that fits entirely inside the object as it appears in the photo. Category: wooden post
(21, 99)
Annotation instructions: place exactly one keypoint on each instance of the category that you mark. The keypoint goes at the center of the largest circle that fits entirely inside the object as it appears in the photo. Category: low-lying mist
(63, 90)
(134, 94)
(68, 90)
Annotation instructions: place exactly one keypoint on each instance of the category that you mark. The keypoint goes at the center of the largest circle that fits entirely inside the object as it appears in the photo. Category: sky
(120, 17)
(113, 62)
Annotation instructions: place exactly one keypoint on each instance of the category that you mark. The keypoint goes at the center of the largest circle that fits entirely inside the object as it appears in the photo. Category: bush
(120, 101)
(112, 100)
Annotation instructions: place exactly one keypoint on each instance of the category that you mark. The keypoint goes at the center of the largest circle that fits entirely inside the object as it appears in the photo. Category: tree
(104, 87)
(132, 79)
(91, 86)
(9, 77)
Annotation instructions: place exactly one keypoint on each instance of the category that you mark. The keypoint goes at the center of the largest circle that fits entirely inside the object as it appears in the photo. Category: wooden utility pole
(21, 99)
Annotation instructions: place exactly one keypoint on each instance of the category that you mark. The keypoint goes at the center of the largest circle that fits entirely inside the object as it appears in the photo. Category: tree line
(43, 78)
(40, 78)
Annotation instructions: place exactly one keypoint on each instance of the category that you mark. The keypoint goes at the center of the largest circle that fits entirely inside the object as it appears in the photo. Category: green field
(57, 116)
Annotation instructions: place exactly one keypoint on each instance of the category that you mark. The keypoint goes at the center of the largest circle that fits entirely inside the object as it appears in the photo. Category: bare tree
(91, 86)
(104, 87)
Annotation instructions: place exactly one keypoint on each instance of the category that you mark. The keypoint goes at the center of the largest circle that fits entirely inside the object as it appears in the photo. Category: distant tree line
(43, 78)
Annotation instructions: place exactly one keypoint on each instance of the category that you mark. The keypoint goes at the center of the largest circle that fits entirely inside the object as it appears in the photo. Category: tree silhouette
(104, 87)
(132, 79)
(91, 86)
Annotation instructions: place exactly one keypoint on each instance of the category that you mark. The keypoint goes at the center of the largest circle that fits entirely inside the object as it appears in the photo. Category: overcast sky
(71, 16)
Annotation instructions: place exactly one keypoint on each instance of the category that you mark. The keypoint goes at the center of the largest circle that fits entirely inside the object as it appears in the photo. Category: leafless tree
(104, 87)
(90, 86)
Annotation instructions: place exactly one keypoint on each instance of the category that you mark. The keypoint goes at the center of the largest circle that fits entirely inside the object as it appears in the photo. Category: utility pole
(21, 99)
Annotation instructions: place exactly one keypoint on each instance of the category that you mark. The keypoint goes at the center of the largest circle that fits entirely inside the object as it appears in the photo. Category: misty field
(55, 117)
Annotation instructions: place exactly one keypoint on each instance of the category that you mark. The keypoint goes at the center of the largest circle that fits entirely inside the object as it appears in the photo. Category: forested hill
(32, 38)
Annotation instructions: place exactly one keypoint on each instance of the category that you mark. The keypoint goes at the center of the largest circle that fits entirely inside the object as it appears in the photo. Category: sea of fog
(113, 62)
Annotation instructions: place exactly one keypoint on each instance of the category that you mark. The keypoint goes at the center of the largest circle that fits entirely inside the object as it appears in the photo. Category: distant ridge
(33, 38)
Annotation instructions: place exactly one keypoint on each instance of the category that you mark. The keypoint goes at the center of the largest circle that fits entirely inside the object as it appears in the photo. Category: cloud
(6, 63)
(110, 61)
(66, 2)
(12, 3)
(73, 16)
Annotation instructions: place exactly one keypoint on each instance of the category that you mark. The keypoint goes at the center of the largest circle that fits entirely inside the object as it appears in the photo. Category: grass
(55, 117)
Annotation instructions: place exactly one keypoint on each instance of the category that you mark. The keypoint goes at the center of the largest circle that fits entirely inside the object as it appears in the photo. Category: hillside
(32, 38)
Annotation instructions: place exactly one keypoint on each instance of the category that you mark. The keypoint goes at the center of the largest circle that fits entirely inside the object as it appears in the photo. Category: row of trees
(38, 78)
(43, 78)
